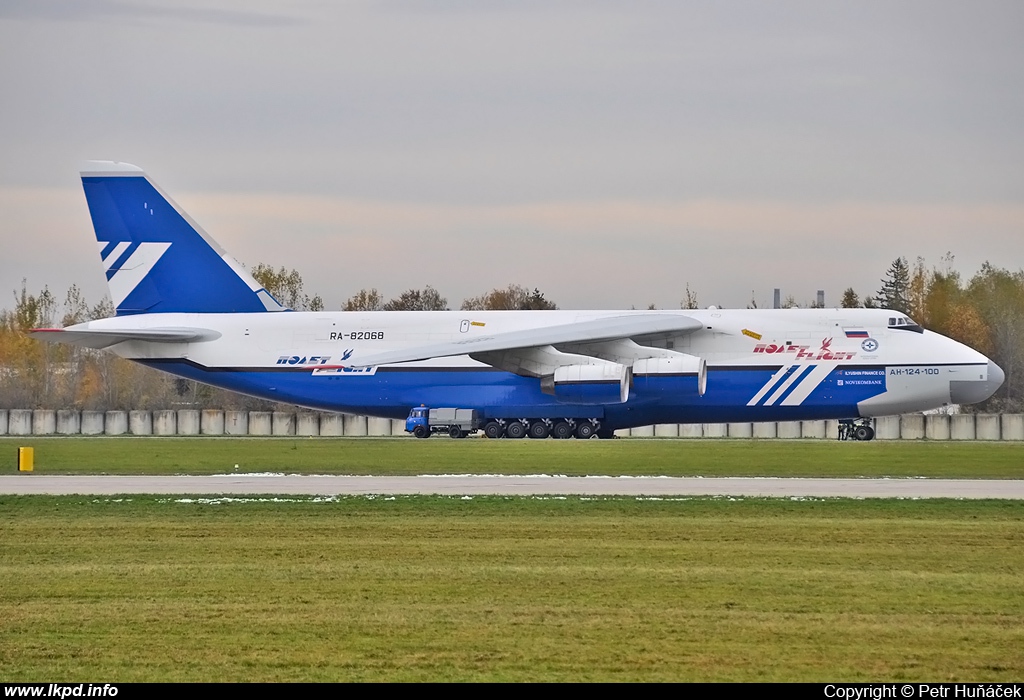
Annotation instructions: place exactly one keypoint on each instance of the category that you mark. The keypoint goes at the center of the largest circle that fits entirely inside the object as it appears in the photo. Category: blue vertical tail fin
(156, 258)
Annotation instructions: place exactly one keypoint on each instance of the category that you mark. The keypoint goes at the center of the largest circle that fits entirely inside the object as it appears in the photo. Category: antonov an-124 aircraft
(186, 307)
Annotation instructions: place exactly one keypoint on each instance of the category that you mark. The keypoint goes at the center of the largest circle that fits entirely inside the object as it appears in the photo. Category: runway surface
(467, 485)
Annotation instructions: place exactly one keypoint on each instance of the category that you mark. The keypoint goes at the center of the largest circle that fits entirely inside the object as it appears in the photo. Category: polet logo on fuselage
(804, 352)
(311, 359)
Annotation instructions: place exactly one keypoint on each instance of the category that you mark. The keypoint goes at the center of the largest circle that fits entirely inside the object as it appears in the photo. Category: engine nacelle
(607, 382)
(678, 365)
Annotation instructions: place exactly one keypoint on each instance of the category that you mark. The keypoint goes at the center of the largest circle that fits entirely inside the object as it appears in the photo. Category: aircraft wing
(601, 329)
(103, 338)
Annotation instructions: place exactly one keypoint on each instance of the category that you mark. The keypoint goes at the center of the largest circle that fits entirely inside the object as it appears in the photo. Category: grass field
(153, 589)
(418, 588)
(397, 456)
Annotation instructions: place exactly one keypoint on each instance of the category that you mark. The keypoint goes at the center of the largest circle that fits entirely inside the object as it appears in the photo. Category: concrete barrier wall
(211, 422)
(936, 427)
(691, 430)
(1012, 426)
(115, 423)
(887, 428)
(961, 427)
(831, 430)
(236, 422)
(261, 423)
(283, 423)
(666, 430)
(986, 426)
(165, 422)
(331, 425)
(92, 422)
(740, 430)
(379, 427)
(354, 425)
(44, 422)
(188, 422)
(812, 429)
(140, 422)
(19, 422)
(715, 430)
(912, 426)
(69, 422)
(788, 429)
(307, 424)
(966, 426)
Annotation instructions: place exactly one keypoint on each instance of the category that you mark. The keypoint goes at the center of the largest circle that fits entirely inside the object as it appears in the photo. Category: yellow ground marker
(26, 458)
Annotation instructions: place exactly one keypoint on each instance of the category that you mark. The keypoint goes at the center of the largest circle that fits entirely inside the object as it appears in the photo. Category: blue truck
(457, 422)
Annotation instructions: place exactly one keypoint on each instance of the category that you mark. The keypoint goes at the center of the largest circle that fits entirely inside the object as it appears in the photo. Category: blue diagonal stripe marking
(777, 384)
(803, 375)
(122, 259)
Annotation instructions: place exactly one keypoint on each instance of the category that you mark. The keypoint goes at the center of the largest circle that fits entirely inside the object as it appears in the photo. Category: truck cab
(418, 417)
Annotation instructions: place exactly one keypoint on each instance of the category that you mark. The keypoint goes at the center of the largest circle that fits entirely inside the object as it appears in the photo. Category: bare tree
(365, 300)
(511, 298)
(426, 299)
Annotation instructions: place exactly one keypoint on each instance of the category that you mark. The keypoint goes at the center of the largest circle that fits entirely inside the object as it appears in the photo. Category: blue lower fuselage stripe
(652, 399)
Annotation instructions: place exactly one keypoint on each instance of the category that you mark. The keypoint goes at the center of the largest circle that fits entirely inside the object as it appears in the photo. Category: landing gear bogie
(541, 428)
(562, 430)
(515, 430)
(859, 429)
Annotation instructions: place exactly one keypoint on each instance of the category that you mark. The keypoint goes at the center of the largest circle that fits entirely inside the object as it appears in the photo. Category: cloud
(105, 10)
(601, 254)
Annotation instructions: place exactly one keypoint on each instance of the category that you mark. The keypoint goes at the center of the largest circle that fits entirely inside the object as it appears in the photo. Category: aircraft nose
(977, 390)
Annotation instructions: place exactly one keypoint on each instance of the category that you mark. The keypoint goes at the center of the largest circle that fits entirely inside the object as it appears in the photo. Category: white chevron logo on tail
(126, 277)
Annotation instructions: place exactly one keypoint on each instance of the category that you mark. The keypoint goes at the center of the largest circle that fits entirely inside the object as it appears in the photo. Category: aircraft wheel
(515, 430)
(864, 432)
(455, 432)
(493, 430)
(585, 431)
(562, 430)
(539, 430)
(421, 431)
(604, 434)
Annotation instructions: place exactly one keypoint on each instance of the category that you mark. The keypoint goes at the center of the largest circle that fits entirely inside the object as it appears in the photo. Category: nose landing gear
(856, 429)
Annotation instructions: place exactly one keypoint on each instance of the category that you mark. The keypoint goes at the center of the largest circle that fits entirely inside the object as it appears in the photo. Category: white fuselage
(741, 348)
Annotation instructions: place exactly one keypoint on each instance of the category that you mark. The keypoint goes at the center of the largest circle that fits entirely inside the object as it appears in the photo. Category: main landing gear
(856, 429)
(540, 428)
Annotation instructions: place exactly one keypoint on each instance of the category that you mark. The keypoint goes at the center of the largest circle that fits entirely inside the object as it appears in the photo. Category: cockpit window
(903, 323)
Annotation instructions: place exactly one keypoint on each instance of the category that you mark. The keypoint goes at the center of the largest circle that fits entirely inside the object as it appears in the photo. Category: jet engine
(607, 382)
(678, 365)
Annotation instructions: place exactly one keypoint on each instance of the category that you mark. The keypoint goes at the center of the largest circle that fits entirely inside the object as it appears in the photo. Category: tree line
(286, 286)
(985, 312)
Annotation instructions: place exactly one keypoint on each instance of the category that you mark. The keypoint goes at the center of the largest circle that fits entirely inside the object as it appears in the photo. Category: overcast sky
(609, 153)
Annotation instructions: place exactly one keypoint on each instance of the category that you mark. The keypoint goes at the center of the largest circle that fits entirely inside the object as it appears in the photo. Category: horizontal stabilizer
(104, 338)
(631, 326)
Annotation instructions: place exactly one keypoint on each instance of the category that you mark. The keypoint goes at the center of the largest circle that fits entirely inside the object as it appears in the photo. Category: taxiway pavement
(497, 485)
